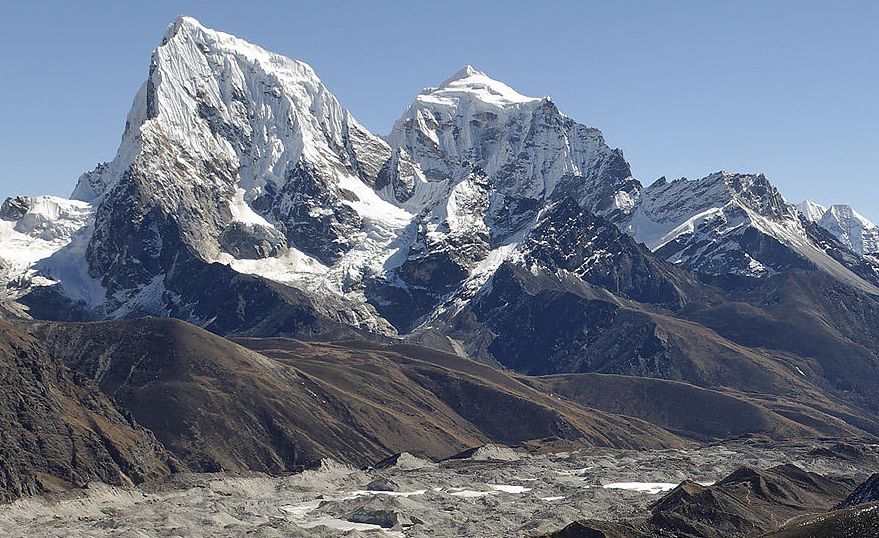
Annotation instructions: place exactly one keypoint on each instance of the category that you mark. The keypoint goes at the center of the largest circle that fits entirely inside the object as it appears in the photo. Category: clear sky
(685, 88)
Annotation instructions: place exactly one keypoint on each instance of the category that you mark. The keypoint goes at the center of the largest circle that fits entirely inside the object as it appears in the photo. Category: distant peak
(847, 212)
(813, 211)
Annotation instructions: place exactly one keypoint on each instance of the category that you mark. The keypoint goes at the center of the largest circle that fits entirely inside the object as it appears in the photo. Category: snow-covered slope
(32, 230)
(525, 148)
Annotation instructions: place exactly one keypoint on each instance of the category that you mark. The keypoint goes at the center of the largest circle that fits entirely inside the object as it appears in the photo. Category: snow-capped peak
(523, 147)
(238, 155)
(181, 22)
(463, 73)
(851, 228)
(813, 211)
(190, 30)
(469, 83)
(198, 74)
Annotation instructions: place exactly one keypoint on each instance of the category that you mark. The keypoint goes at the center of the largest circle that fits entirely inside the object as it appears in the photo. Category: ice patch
(651, 488)
(471, 494)
(505, 488)
(364, 492)
(242, 212)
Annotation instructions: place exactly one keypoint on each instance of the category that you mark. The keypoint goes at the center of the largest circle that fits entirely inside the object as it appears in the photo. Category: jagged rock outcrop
(15, 208)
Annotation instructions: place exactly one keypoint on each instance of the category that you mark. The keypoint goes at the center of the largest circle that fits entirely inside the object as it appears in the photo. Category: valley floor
(490, 492)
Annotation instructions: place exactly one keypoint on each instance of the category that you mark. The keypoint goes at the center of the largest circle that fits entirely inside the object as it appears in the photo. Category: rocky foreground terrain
(755, 486)
(175, 431)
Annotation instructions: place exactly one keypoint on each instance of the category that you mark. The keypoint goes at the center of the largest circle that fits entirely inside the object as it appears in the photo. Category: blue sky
(789, 88)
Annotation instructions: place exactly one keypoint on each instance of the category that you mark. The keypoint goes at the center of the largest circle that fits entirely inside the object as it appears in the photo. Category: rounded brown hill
(284, 404)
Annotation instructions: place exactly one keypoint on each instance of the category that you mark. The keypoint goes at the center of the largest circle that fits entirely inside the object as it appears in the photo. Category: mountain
(34, 229)
(249, 162)
(57, 431)
(491, 159)
(527, 152)
(231, 156)
(851, 228)
(237, 165)
(246, 200)
(694, 412)
(734, 224)
(862, 520)
(747, 502)
(578, 295)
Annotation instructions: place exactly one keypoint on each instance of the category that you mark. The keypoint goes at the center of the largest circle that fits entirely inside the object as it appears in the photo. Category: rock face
(569, 239)
(15, 208)
(57, 431)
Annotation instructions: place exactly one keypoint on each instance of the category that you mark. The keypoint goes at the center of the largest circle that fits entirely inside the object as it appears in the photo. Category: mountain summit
(470, 83)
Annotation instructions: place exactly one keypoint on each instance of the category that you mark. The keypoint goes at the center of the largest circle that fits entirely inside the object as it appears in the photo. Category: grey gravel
(519, 495)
